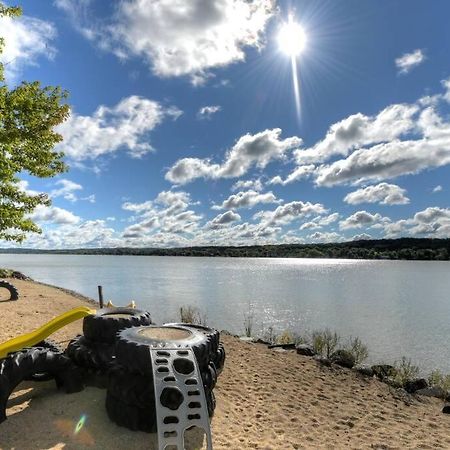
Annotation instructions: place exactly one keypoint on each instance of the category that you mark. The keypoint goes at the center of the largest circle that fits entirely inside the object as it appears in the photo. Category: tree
(28, 115)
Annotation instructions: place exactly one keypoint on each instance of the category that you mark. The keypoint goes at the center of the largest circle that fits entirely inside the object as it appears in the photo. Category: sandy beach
(266, 399)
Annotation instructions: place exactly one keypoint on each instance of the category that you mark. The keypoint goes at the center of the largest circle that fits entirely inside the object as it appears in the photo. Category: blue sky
(184, 127)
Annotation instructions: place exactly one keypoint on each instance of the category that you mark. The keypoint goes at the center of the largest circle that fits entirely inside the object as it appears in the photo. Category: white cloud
(26, 40)
(431, 222)
(189, 38)
(206, 112)
(167, 214)
(322, 237)
(362, 237)
(320, 221)
(359, 130)
(409, 61)
(288, 212)
(54, 215)
(362, 219)
(246, 199)
(66, 190)
(386, 161)
(222, 220)
(250, 150)
(255, 185)
(438, 188)
(175, 37)
(384, 193)
(110, 129)
(299, 173)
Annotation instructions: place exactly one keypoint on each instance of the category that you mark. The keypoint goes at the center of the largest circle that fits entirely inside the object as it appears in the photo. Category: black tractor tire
(210, 402)
(211, 333)
(131, 388)
(19, 366)
(49, 345)
(209, 377)
(93, 356)
(13, 292)
(105, 323)
(132, 348)
(219, 359)
(131, 417)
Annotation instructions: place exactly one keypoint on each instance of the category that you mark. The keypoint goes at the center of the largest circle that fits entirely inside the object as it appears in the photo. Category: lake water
(396, 307)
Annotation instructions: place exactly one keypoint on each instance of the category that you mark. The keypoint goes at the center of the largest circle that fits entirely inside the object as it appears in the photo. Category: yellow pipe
(30, 339)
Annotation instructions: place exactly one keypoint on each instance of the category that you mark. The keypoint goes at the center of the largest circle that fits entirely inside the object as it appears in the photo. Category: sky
(192, 124)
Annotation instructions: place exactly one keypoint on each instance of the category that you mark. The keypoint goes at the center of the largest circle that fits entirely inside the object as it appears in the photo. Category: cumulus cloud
(362, 237)
(359, 130)
(110, 129)
(223, 220)
(288, 212)
(206, 112)
(167, 214)
(320, 221)
(361, 219)
(256, 150)
(178, 38)
(246, 199)
(409, 61)
(299, 173)
(386, 161)
(89, 233)
(54, 215)
(322, 237)
(438, 188)
(384, 193)
(26, 40)
(255, 185)
(430, 222)
(66, 189)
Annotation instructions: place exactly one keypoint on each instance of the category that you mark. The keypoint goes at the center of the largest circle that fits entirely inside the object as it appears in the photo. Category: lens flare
(80, 424)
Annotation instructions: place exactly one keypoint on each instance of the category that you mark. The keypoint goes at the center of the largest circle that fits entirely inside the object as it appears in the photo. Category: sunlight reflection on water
(396, 307)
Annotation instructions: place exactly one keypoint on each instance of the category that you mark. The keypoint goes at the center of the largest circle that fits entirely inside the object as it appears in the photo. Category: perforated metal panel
(179, 396)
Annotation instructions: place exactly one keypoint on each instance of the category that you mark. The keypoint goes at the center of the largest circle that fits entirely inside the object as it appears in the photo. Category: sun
(292, 38)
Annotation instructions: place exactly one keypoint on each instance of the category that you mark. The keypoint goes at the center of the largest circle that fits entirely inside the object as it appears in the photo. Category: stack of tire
(43, 362)
(94, 351)
(130, 396)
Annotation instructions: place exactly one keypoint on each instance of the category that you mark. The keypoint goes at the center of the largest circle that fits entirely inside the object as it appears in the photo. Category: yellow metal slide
(30, 339)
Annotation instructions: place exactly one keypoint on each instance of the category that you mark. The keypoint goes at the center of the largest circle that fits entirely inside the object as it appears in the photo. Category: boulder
(343, 358)
(322, 360)
(412, 386)
(446, 409)
(383, 371)
(432, 391)
(305, 350)
(365, 370)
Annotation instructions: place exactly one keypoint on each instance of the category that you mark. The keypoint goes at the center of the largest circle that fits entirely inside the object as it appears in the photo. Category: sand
(266, 399)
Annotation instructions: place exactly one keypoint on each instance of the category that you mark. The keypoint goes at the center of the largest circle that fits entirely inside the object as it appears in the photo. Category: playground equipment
(33, 338)
(159, 378)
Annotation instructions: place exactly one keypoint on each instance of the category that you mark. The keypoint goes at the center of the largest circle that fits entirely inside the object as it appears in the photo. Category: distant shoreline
(390, 249)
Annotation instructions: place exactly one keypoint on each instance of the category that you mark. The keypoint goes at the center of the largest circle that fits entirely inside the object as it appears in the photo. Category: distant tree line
(403, 248)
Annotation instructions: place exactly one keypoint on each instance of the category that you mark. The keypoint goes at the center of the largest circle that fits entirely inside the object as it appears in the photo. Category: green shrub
(5, 273)
(437, 378)
(190, 314)
(358, 350)
(325, 342)
(405, 371)
(286, 337)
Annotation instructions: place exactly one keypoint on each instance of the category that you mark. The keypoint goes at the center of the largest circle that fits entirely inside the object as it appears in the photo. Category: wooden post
(100, 296)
